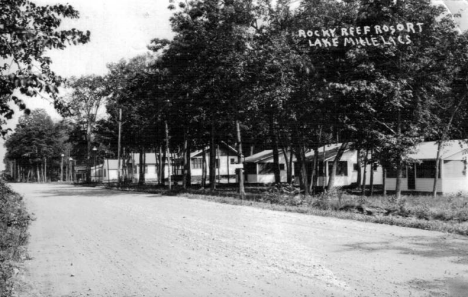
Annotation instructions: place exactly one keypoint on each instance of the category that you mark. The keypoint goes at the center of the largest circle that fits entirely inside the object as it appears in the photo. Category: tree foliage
(27, 31)
(36, 141)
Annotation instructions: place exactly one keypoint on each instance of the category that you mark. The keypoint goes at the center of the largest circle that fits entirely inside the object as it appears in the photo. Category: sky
(122, 29)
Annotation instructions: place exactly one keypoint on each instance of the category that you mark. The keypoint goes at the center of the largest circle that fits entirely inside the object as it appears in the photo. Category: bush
(14, 221)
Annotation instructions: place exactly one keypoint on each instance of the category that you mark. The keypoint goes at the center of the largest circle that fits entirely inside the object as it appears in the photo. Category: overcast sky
(119, 29)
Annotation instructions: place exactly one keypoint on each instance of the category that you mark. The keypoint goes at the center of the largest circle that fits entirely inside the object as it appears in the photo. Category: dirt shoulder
(96, 242)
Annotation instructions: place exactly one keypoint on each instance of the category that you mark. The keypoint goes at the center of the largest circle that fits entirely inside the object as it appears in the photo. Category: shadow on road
(438, 247)
(73, 191)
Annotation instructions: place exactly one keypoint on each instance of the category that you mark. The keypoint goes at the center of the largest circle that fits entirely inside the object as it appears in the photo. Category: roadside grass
(444, 213)
(353, 208)
(14, 222)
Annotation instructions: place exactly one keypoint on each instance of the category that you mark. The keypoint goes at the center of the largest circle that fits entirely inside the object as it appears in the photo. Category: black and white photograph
(196, 148)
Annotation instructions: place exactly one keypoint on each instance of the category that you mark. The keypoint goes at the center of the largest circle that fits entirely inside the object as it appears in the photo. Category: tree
(84, 106)
(389, 90)
(203, 62)
(451, 109)
(36, 142)
(135, 89)
(26, 32)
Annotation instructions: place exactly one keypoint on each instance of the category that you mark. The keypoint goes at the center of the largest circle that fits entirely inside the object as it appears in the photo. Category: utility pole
(118, 147)
(240, 170)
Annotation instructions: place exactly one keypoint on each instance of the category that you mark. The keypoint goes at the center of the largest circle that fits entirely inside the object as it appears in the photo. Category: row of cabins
(258, 168)
(226, 165)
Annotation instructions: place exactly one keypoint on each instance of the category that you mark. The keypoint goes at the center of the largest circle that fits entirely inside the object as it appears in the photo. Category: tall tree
(84, 105)
(36, 142)
(27, 31)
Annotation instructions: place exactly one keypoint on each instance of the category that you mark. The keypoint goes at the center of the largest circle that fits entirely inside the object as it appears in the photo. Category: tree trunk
(160, 166)
(364, 178)
(188, 169)
(372, 174)
(399, 171)
(218, 159)
(274, 144)
(141, 172)
(359, 173)
(240, 171)
(227, 164)
(168, 155)
(384, 183)
(288, 167)
(339, 153)
(203, 178)
(313, 177)
(184, 162)
(304, 175)
(88, 151)
(163, 165)
(291, 164)
(118, 147)
(212, 158)
(437, 166)
(399, 161)
(300, 157)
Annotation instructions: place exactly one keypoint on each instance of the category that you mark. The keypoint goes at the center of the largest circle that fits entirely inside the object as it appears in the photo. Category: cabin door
(411, 174)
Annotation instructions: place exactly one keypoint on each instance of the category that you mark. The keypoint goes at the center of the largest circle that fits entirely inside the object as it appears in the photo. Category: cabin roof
(223, 146)
(428, 150)
(330, 152)
(260, 156)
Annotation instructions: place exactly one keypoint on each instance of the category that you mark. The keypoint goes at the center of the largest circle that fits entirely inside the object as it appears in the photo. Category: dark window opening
(250, 168)
(426, 169)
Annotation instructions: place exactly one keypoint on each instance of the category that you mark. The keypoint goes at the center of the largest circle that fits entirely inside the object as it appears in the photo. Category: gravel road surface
(97, 242)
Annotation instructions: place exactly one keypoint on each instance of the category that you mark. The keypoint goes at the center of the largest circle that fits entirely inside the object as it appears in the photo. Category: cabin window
(341, 170)
(355, 167)
(426, 169)
(197, 163)
(267, 168)
(233, 161)
(146, 168)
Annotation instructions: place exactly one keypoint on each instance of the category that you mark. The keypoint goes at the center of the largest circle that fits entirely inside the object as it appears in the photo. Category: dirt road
(96, 242)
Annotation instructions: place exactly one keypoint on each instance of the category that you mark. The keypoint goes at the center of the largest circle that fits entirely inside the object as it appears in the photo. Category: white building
(419, 176)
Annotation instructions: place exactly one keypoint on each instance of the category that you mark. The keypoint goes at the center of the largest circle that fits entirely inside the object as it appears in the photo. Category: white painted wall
(225, 166)
(453, 180)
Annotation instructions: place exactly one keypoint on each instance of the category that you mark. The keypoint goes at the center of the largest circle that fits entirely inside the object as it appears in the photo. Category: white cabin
(419, 176)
